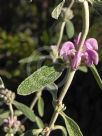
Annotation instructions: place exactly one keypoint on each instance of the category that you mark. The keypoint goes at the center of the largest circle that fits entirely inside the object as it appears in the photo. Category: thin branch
(11, 110)
(85, 29)
(61, 34)
(71, 4)
(35, 99)
(60, 99)
(71, 73)
(63, 25)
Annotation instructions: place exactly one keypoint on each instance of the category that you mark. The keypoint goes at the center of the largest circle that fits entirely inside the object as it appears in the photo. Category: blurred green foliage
(18, 22)
(12, 48)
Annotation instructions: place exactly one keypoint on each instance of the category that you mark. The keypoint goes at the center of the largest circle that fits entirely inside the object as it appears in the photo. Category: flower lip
(91, 43)
(91, 57)
(67, 49)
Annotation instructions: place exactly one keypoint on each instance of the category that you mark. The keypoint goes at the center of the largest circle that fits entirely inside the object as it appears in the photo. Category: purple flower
(88, 55)
(11, 123)
(67, 50)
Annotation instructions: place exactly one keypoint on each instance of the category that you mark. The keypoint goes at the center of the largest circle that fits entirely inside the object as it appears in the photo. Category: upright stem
(11, 110)
(85, 29)
(60, 99)
(71, 4)
(12, 115)
(71, 74)
(61, 34)
(63, 25)
(67, 85)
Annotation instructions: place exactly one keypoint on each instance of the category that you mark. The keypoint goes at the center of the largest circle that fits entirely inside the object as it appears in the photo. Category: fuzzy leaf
(96, 76)
(57, 11)
(72, 127)
(69, 29)
(39, 122)
(6, 114)
(3, 116)
(25, 110)
(41, 106)
(38, 80)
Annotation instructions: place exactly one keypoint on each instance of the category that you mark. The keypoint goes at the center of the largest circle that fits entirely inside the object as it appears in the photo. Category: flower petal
(91, 43)
(76, 60)
(90, 57)
(67, 49)
(77, 40)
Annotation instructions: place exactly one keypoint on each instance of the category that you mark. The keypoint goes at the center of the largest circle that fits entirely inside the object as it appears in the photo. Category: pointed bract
(76, 60)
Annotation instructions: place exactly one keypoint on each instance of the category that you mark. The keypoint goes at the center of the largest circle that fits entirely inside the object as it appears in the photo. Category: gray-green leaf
(38, 80)
(6, 114)
(69, 29)
(72, 127)
(57, 11)
(3, 116)
(39, 122)
(83, 69)
(96, 76)
(41, 106)
(25, 110)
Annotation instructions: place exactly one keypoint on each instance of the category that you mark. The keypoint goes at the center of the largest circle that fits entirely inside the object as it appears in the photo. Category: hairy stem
(63, 25)
(60, 99)
(71, 74)
(61, 34)
(67, 85)
(12, 115)
(85, 11)
(11, 110)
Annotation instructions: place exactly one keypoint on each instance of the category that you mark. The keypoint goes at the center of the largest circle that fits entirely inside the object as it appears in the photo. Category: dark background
(25, 26)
